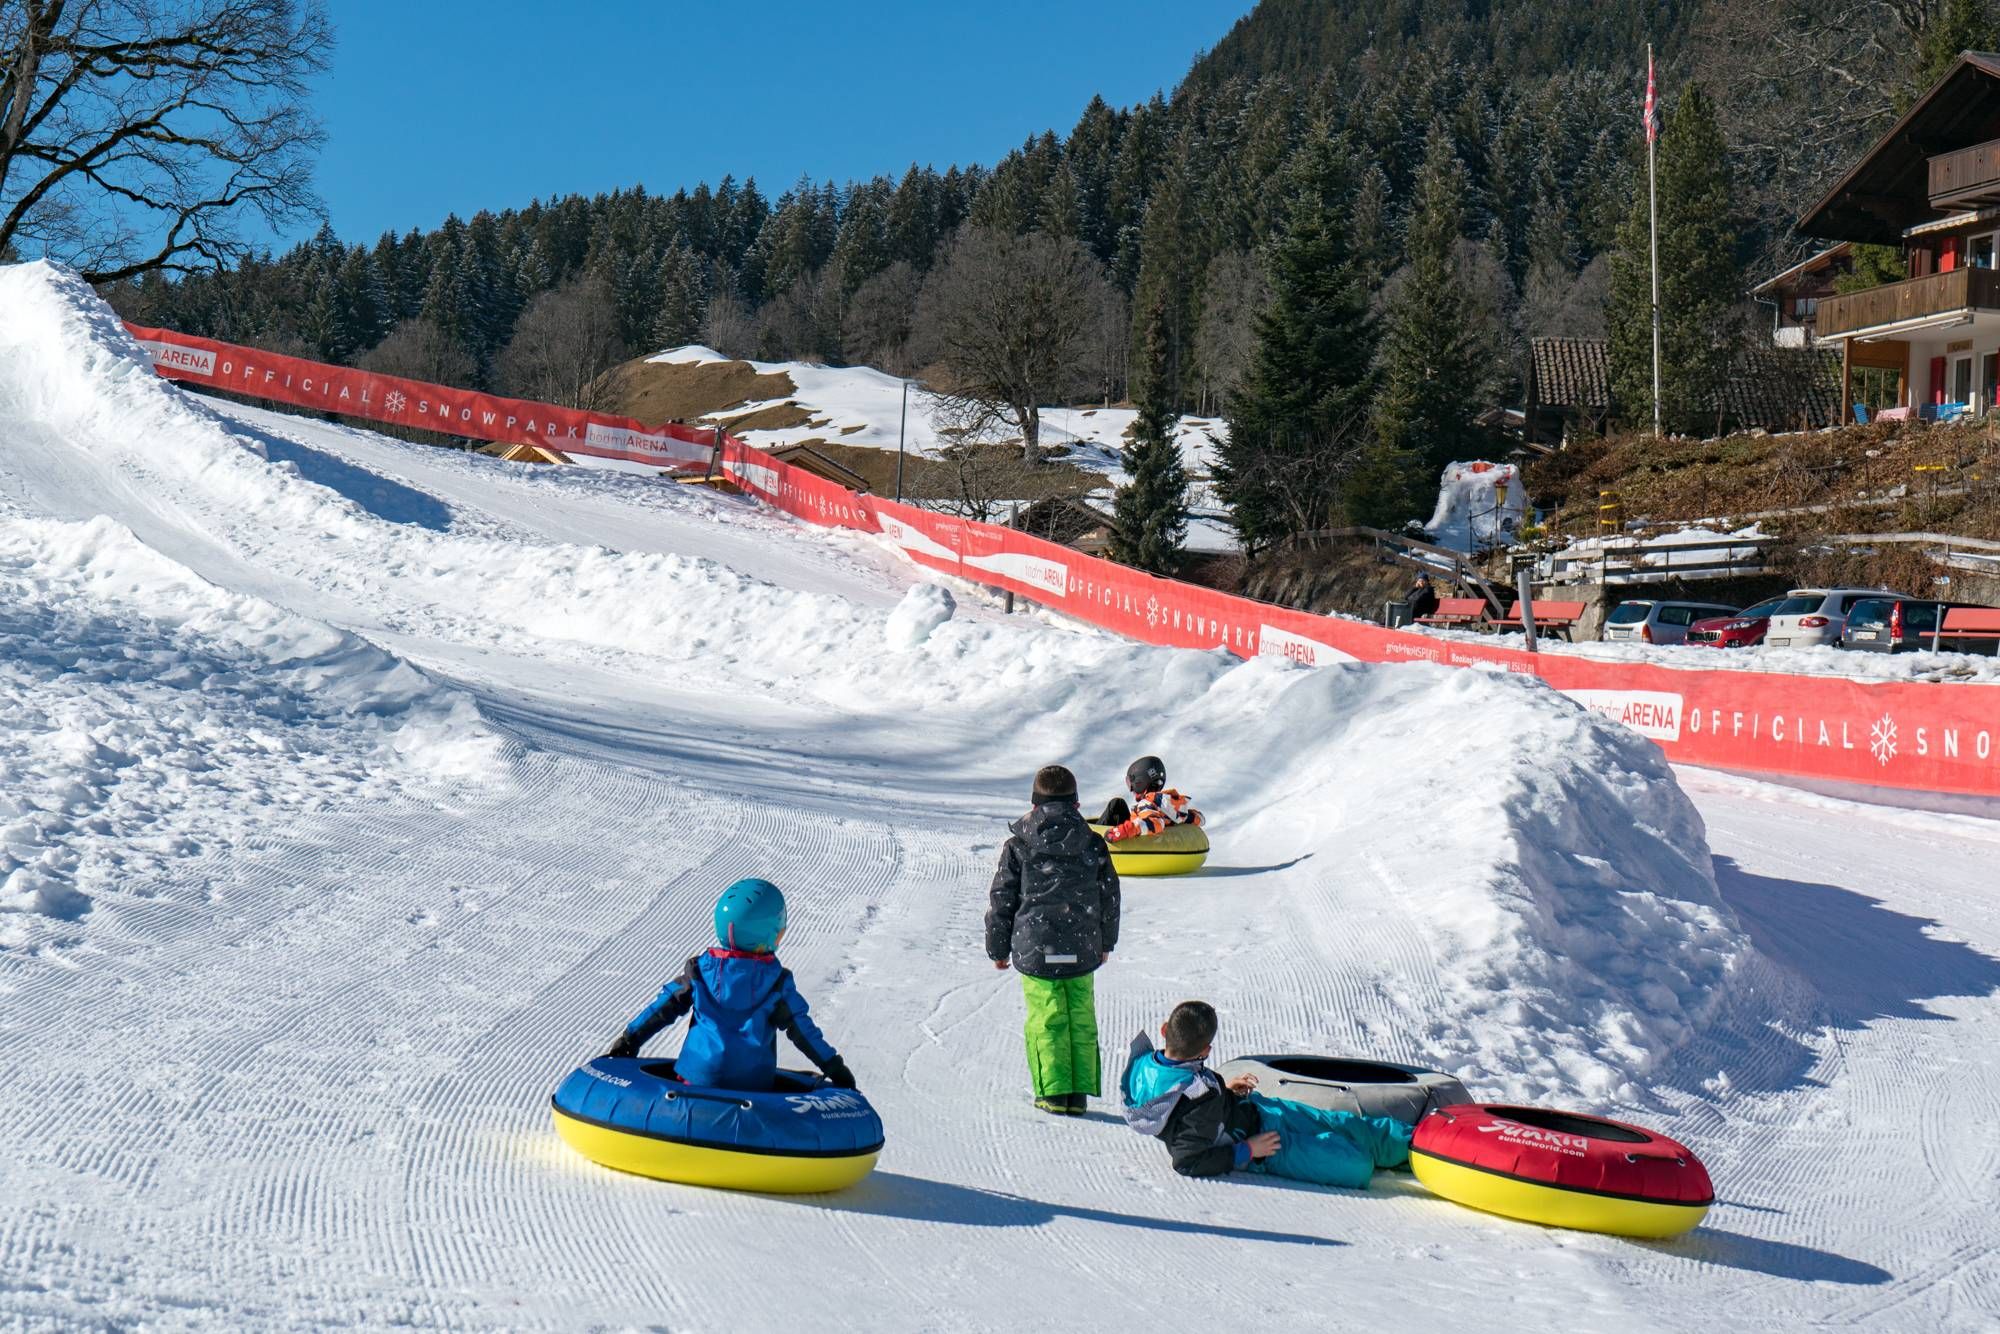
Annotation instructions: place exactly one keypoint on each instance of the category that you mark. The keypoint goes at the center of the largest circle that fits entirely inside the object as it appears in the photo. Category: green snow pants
(1062, 1035)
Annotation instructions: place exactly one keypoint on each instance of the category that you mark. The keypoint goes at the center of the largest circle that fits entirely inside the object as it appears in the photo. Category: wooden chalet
(1928, 344)
(1795, 294)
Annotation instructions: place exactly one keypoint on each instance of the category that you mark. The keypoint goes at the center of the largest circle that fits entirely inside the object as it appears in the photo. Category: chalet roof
(1066, 520)
(1809, 264)
(1569, 373)
(1776, 388)
(1888, 190)
(1782, 389)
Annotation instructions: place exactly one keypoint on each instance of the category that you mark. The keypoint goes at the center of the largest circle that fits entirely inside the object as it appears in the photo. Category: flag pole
(1653, 203)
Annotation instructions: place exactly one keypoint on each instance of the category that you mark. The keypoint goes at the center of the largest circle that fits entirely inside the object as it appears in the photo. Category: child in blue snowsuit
(741, 997)
(1211, 1128)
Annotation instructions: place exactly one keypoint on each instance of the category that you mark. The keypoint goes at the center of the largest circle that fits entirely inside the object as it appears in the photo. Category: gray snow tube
(1372, 1088)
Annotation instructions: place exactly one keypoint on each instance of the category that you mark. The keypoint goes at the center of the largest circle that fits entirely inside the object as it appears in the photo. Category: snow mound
(923, 609)
(1572, 937)
(1479, 505)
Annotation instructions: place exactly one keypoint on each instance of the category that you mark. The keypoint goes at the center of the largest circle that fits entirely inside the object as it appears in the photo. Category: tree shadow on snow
(1780, 1259)
(383, 497)
(1866, 961)
(891, 1195)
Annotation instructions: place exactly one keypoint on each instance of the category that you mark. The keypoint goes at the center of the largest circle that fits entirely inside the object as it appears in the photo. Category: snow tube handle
(672, 1094)
(1319, 1084)
(1643, 1157)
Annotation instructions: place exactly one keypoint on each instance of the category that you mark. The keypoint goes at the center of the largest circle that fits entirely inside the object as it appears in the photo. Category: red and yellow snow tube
(1176, 850)
(1560, 1169)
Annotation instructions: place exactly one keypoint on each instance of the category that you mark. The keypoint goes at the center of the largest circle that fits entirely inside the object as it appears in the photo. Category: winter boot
(1079, 1103)
(1056, 1104)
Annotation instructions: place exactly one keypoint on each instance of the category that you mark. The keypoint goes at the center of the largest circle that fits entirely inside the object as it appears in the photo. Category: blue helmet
(749, 916)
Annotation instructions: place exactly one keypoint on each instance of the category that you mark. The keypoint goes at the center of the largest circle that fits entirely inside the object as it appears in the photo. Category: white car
(1657, 622)
(1811, 617)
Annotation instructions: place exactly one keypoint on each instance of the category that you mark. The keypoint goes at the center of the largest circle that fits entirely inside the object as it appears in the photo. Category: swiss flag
(1652, 116)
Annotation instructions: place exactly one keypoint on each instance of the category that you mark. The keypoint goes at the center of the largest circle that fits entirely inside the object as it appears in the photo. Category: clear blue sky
(439, 106)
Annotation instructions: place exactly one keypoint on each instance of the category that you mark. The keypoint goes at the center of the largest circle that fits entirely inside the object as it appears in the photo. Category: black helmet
(1147, 774)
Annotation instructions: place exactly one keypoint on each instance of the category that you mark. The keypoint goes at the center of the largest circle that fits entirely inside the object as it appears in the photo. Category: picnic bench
(1980, 624)
(1459, 613)
(1551, 618)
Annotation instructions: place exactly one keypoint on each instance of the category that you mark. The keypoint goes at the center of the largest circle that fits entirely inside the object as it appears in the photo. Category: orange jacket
(1153, 813)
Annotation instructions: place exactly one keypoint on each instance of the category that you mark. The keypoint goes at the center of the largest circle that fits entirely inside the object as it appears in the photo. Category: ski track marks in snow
(287, 1063)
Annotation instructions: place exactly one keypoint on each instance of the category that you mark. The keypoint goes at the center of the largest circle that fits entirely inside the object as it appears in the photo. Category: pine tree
(1432, 364)
(1301, 413)
(1700, 281)
(683, 285)
(1152, 508)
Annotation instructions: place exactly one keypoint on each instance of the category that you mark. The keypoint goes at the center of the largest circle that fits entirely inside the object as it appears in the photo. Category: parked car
(1812, 617)
(1739, 629)
(1893, 625)
(1656, 622)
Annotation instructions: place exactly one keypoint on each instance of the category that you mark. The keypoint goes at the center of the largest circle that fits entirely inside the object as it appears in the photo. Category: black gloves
(838, 1074)
(626, 1045)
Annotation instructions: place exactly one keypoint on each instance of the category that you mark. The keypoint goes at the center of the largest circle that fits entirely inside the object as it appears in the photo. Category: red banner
(1911, 735)
(1916, 736)
(432, 407)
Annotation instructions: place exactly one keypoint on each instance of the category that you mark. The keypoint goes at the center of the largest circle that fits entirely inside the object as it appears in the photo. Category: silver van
(1657, 622)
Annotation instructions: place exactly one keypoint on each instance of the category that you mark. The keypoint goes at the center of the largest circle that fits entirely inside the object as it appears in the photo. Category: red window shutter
(1937, 381)
(1948, 260)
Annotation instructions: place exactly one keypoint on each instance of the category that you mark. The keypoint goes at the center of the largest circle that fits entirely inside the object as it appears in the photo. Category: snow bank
(1573, 936)
(1479, 505)
(145, 712)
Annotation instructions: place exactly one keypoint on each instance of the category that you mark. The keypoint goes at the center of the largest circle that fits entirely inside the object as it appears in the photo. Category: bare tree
(1801, 86)
(417, 349)
(1234, 292)
(562, 345)
(1006, 319)
(730, 326)
(876, 328)
(1556, 303)
(134, 134)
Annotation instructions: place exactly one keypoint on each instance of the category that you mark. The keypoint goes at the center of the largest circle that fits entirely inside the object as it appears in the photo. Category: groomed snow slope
(278, 1032)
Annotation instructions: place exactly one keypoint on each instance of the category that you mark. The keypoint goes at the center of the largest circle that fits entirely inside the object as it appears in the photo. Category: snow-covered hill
(352, 791)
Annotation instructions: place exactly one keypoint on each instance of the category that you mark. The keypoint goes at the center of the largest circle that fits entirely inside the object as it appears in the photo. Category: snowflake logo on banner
(1882, 739)
(1153, 612)
(395, 401)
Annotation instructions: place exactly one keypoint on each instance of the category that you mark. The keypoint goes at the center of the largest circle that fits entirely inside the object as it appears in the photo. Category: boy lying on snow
(1211, 1128)
(741, 997)
(1155, 806)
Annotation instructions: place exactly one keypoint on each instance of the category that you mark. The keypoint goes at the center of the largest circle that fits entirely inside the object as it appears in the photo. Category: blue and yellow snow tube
(1175, 850)
(803, 1137)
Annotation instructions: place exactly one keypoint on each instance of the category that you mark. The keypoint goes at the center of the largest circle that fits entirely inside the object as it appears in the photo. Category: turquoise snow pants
(1330, 1148)
(1062, 1035)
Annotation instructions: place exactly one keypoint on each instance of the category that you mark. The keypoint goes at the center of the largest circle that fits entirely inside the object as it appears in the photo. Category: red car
(1743, 630)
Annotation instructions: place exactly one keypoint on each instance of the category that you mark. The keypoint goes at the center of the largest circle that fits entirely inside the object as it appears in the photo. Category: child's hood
(1154, 1084)
(737, 979)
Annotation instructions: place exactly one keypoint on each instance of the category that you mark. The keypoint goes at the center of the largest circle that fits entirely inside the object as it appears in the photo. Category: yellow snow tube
(701, 1165)
(1176, 850)
(1554, 1206)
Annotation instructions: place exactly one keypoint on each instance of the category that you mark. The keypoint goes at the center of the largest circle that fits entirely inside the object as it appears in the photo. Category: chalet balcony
(1966, 177)
(1911, 304)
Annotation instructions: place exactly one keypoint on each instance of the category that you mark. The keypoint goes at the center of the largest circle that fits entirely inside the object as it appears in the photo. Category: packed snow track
(352, 792)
